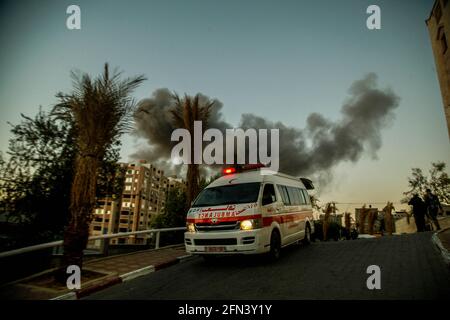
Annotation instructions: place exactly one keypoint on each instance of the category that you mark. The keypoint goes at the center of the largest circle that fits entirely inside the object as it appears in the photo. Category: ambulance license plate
(215, 249)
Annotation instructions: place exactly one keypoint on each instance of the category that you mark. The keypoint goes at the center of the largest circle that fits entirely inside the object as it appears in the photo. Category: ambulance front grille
(220, 226)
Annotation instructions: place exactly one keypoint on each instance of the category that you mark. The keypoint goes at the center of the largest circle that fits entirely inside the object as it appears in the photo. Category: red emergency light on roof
(229, 170)
(242, 168)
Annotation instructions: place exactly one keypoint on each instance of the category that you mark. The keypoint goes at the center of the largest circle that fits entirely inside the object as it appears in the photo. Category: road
(410, 266)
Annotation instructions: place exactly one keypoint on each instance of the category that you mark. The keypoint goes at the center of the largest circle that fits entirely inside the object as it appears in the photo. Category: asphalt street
(410, 267)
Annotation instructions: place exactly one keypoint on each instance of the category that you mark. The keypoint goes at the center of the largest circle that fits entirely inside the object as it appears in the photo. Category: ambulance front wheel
(275, 245)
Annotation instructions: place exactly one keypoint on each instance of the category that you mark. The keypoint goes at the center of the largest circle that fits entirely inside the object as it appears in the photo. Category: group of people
(429, 207)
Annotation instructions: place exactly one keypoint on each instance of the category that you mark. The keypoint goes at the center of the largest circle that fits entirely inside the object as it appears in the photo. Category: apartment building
(174, 183)
(144, 196)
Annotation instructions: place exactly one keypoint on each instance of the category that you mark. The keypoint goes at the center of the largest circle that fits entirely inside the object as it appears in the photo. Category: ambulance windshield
(230, 194)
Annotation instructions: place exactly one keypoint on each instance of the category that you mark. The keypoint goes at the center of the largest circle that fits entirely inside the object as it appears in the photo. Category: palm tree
(101, 110)
(186, 111)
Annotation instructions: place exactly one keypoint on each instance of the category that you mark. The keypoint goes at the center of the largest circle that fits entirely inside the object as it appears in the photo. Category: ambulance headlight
(248, 224)
(190, 227)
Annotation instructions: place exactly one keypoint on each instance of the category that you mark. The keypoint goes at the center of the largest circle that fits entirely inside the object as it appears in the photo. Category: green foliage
(35, 180)
(438, 181)
(36, 176)
(173, 216)
(111, 176)
(175, 211)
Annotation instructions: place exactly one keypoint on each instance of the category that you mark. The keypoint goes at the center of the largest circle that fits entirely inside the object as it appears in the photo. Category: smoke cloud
(312, 151)
(154, 123)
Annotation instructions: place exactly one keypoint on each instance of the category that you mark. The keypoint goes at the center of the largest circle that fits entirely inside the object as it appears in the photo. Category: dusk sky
(281, 60)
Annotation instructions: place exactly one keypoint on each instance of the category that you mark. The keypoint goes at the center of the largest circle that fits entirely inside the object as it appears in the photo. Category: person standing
(432, 206)
(388, 217)
(419, 210)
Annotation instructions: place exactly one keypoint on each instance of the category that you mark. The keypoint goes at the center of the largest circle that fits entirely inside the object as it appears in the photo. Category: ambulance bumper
(225, 243)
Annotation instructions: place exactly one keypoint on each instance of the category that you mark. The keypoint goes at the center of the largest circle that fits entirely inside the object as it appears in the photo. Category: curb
(98, 286)
(68, 296)
(75, 295)
(437, 242)
(137, 273)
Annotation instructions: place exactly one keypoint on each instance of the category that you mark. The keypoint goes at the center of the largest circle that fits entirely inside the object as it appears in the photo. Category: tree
(174, 216)
(101, 110)
(35, 179)
(186, 111)
(205, 181)
(438, 182)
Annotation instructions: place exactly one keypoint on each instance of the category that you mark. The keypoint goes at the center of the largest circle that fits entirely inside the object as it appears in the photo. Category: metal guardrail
(100, 237)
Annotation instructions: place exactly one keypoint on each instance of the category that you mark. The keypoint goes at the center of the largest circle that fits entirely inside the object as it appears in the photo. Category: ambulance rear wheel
(275, 245)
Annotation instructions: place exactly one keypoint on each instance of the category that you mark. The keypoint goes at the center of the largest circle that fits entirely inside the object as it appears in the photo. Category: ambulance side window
(268, 194)
(302, 196)
(284, 195)
(307, 197)
(294, 196)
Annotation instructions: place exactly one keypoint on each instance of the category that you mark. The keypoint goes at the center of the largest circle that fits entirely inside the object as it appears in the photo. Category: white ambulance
(246, 212)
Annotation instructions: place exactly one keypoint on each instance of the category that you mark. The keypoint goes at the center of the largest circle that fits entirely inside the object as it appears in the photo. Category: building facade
(439, 30)
(143, 197)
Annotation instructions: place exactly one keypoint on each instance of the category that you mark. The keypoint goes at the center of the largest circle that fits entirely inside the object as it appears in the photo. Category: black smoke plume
(312, 151)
